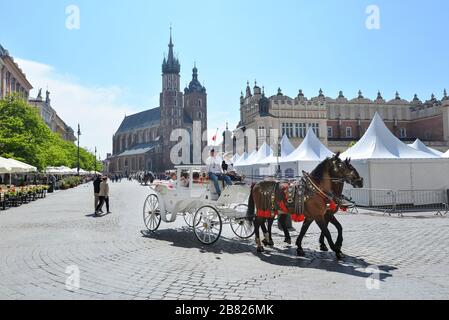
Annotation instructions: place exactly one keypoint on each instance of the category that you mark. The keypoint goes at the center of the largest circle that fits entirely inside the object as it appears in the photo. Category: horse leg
(339, 242)
(323, 246)
(257, 225)
(322, 224)
(266, 239)
(283, 223)
(305, 226)
(270, 227)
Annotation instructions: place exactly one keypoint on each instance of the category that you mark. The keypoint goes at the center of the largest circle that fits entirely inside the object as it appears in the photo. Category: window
(262, 132)
(348, 132)
(316, 128)
(403, 133)
(199, 102)
(300, 130)
(287, 128)
(330, 133)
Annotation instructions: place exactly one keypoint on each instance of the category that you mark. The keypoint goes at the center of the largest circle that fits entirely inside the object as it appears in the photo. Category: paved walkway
(44, 244)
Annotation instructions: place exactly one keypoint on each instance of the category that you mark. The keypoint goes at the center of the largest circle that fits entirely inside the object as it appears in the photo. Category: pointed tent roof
(311, 149)
(420, 146)
(248, 160)
(378, 142)
(241, 159)
(286, 146)
(263, 154)
(235, 158)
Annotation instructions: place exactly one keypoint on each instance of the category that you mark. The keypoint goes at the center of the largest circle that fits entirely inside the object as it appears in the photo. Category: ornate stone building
(51, 118)
(338, 122)
(142, 142)
(12, 78)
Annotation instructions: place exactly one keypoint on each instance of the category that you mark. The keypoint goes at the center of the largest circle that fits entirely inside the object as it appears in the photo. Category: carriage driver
(215, 172)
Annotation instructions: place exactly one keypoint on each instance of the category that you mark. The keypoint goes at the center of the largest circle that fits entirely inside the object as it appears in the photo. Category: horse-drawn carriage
(199, 204)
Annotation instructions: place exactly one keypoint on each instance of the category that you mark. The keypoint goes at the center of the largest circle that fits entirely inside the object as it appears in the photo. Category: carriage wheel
(207, 225)
(188, 218)
(242, 227)
(151, 213)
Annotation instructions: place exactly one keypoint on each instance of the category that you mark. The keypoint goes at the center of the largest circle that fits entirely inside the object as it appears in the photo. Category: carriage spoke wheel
(188, 218)
(242, 227)
(151, 213)
(207, 225)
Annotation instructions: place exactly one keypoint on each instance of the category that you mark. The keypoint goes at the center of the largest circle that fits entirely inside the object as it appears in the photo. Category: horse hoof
(340, 255)
(324, 248)
(260, 249)
(288, 241)
(300, 252)
(265, 242)
(271, 243)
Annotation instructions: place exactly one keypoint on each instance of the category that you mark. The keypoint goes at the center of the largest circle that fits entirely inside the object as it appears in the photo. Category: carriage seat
(213, 193)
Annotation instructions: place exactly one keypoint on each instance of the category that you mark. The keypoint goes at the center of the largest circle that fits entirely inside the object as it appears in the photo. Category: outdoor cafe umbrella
(15, 166)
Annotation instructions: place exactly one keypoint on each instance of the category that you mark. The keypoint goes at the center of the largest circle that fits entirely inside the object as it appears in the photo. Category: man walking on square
(97, 183)
(104, 196)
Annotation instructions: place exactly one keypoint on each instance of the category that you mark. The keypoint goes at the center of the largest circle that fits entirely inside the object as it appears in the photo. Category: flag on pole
(214, 138)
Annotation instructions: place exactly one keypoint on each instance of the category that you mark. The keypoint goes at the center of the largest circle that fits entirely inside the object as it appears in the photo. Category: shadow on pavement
(279, 256)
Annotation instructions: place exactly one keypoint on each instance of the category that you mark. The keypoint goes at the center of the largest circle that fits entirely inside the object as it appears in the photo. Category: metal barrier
(400, 201)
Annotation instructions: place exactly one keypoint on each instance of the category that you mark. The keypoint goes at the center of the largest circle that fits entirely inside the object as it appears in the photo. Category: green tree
(24, 136)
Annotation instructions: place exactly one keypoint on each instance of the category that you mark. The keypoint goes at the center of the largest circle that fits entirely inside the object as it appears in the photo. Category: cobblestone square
(43, 242)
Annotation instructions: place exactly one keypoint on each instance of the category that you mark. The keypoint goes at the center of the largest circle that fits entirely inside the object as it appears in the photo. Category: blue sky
(290, 44)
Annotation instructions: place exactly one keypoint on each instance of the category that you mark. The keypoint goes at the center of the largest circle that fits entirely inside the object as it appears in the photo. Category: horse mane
(318, 173)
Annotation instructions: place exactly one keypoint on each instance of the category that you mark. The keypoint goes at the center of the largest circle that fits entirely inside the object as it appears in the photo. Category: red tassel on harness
(332, 206)
(298, 217)
(264, 214)
(344, 209)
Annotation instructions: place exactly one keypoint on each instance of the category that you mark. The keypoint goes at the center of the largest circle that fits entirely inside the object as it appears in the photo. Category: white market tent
(306, 157)
(386, 163)
(420, 146)
(286, 147)
(15, 166)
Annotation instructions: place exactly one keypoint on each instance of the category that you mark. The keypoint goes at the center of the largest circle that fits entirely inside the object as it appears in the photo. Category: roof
(379, 143)
(140, 120)
(139, 149)
(420, 146)
(311, 149)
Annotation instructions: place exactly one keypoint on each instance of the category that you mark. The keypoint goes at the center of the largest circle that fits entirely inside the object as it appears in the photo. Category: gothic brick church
(142, 142)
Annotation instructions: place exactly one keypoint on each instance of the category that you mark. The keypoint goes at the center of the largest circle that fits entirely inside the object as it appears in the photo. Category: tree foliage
(25, 136)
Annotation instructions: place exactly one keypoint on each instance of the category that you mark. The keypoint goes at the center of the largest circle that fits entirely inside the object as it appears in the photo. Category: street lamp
(78, 133)
(95, 160)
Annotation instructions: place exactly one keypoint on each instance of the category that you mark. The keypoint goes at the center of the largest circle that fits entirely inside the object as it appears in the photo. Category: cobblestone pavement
(39, 241)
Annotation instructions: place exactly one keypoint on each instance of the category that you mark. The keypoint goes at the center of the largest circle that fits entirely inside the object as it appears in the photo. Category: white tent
(261, 157)
(387, 164)
(306, 157)
(241, 159)
(311, 149)
(420, 146)
(379, 143)
(15, 166)
(286, 147)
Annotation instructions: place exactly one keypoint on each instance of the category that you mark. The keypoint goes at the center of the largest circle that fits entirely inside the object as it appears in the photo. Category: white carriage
(200, 206)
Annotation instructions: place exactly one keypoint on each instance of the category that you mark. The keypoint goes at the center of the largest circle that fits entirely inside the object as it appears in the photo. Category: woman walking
(103, 195)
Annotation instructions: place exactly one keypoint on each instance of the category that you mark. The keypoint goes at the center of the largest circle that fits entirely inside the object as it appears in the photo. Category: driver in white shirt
(215, 172)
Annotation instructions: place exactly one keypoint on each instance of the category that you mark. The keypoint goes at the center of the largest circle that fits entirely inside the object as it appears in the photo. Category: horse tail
(251, 205)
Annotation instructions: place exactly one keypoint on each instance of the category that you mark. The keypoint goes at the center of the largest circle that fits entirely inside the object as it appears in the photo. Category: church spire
(171, 64)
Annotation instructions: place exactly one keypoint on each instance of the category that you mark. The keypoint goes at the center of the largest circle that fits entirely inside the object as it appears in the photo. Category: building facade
(142, 142)
(337, 121)
(12, 78)
(51, 118)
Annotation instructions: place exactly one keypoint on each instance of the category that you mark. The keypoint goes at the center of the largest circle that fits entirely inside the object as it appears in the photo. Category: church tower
(171, 101)
(195, 103)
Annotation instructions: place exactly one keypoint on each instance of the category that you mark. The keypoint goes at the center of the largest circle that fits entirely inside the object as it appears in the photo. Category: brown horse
(337, 188)
(312, 196)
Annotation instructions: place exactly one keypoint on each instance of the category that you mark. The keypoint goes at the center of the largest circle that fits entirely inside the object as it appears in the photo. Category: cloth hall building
(338, 121)
(142, 142)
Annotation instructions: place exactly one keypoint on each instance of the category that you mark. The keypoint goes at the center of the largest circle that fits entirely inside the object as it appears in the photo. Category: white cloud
(98, 110)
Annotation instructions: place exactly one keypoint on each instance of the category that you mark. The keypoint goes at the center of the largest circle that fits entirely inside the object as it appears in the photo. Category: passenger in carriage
(215, 171)
(184, 181)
